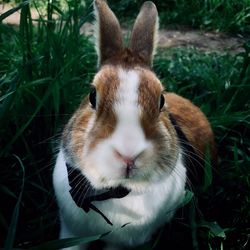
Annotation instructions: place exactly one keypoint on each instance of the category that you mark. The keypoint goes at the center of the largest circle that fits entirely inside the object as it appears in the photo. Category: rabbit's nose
(128, 160)
(129, 163)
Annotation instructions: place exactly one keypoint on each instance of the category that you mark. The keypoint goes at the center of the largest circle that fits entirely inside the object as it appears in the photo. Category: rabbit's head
(121, 134)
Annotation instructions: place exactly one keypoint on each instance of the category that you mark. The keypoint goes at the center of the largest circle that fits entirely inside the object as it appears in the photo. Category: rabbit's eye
(162, 102)
(92, 98)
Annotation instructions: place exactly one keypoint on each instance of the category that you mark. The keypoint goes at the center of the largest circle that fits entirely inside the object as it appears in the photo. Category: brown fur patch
(192, 122)
(171, 149)
(107, 84)
(150, 90)
(155, 123)
(126, 59)
(75, 130)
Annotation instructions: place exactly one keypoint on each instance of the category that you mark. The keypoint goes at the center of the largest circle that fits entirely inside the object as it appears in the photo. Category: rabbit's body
(130, 134)
(134, 217)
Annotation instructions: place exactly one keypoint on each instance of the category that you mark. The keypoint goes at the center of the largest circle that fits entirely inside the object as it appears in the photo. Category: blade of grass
(7, 191)
(13, 10)
(9, 98)
(26, 37)
(188, 197)
(214, 228)
(63, 243)
(208, 176)
(193, 225)
(14, 220)
(6, 95)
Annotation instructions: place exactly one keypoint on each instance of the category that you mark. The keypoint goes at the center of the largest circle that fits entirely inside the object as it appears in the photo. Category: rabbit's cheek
(101, 164)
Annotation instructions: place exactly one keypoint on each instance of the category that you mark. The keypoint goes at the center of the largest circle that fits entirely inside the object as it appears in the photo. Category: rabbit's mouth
(83, 193)
(129, 169)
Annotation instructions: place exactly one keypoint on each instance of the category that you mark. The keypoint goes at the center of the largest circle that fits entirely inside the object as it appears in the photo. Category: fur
(128, 125)
(142, 212)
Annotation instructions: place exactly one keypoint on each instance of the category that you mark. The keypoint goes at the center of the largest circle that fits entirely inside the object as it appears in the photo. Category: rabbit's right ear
(108, 32)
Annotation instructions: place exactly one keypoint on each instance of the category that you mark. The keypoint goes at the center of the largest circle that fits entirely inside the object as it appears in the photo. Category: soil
(202, 40)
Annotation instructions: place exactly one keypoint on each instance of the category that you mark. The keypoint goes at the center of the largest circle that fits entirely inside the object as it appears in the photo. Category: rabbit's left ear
(145, 33)
(108, 32)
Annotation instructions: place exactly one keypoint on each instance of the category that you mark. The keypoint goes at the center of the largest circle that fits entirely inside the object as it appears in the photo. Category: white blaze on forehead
(128, 137)
(127, 95)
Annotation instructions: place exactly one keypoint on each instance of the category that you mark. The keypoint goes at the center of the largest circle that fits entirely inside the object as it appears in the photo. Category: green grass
(223, 15)
(231, 16)
(220, 85)
(45, 70)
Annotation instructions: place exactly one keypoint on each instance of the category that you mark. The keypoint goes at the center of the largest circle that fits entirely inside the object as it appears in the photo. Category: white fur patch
(143, 212)
(128, 138)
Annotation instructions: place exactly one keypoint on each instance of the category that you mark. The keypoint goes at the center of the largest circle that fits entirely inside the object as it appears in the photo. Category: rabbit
(122, 167)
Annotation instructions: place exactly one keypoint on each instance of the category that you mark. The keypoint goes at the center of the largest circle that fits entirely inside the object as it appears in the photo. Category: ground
(202, 40)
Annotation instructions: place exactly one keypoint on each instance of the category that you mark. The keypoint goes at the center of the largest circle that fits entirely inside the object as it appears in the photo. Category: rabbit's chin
(138, 180)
